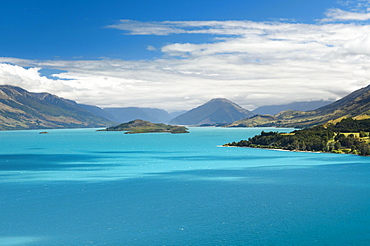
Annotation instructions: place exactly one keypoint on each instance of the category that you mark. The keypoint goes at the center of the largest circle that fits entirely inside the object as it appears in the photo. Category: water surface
(82, 187)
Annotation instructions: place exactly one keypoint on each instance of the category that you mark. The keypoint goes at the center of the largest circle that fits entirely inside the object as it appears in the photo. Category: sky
(177, 55)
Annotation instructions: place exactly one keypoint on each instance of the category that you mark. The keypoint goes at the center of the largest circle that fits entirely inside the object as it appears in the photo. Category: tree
(363, 134)
(337, 145)
(364, 148)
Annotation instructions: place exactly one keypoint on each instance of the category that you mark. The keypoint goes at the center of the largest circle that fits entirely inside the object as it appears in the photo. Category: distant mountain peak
(215, 111)
(219, 99)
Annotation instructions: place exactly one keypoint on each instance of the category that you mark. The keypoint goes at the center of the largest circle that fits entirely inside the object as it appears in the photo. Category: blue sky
(179, 54)
(65, 29)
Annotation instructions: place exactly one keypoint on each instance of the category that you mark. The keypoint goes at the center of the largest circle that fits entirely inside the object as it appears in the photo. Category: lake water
(82, 187)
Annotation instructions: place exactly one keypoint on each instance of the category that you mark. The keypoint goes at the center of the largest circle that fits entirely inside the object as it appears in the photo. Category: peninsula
(348, 136)
(141, 126)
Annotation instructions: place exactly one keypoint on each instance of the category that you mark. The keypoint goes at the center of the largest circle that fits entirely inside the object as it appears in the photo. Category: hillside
(97, 111)
(355, 105)
(297, 106)
(216, 111)
(20, 109)
(345, 136)
(141, 126)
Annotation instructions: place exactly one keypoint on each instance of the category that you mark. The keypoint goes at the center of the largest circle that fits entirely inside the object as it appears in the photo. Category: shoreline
(299, 151)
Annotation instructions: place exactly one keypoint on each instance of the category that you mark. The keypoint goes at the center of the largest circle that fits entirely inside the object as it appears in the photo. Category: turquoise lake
(83, 187)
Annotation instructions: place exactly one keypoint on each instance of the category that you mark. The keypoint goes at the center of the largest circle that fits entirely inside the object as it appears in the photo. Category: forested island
(347, 136)
(141, 126)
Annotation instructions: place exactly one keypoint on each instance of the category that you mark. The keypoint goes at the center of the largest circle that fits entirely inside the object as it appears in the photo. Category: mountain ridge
(21, 109)
(355, 105)
(125, 114)
(296, 106)
(215, 111)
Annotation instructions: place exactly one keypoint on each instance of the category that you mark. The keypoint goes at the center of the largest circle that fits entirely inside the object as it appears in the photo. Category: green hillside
(346, 136)
(297, 106)
(20, 109)
(355, 105)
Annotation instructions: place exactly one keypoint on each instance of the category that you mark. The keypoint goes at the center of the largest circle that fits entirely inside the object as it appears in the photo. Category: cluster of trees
(141, 126)
(351, 144)
(318, 138)
(351, 125)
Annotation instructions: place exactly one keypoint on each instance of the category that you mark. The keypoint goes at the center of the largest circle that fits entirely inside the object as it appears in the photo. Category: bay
(83, 187)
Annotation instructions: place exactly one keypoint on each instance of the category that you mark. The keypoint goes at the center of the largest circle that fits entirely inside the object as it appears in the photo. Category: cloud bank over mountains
(250, 63)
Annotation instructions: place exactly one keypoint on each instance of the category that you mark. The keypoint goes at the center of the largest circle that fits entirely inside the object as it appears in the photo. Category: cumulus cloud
(358, 46)
(30, 78)
(250, 63)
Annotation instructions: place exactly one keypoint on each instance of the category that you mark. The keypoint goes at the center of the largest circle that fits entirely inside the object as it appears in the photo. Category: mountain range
(20, 109)
(216, 111)
(218, 114)
(297, 106)
(355, 105)
(154, 115)
(126, 114)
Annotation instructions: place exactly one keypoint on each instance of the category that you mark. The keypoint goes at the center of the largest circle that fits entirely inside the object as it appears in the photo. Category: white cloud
(333, 15)
(146, 28)
(132, 27)
(359, 45)
(30, 78)
(250, 63)
(151, 48)
(355, 5)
